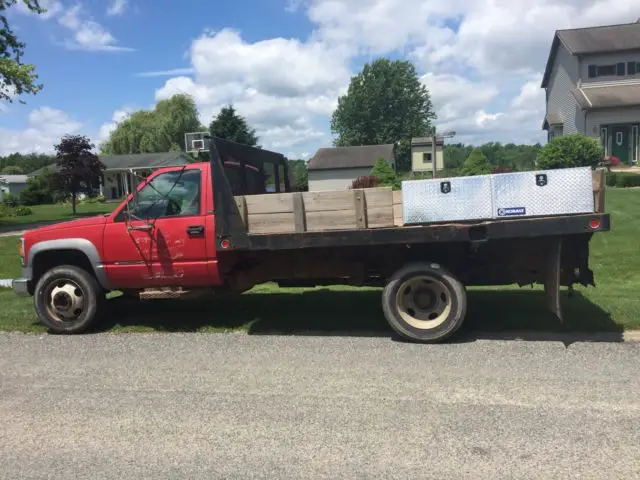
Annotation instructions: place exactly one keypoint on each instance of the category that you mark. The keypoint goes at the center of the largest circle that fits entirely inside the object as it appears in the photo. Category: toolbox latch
(541, 179)
(445, 187)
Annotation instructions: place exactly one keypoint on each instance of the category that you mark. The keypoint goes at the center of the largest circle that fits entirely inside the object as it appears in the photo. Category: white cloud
(46, 127)
(167, 73)
(107, 128)
(86, 33)
(280, 85)
(117, 7)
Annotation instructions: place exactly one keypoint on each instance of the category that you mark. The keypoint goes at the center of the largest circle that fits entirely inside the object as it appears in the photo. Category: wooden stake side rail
(356, 209)
(317, 211)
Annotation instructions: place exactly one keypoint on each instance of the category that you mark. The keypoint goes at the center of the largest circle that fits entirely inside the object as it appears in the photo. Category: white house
(336, 168)
(592, 85)
(12, 184)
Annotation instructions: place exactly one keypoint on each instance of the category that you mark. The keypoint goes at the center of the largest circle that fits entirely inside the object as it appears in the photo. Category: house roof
(14, 178)
(608, 95)
(350, 157)
(590, 40)
(425, 141)
(145, 160)
(552, 118)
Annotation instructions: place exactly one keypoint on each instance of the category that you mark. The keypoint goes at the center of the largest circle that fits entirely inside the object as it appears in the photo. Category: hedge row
(623, 179)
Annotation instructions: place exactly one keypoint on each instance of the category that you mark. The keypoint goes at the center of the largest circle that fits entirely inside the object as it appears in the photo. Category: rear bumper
(21, 287)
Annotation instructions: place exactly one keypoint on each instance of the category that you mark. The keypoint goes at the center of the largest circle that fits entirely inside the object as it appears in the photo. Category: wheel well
(45, 261)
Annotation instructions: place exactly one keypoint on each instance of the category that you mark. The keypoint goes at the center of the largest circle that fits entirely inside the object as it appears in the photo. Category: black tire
(67, 284)
(440, 291)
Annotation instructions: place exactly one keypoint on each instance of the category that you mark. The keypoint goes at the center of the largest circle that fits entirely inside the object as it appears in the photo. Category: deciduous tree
(385, 103)
(155, 131)
(16, 78)
(79, 169)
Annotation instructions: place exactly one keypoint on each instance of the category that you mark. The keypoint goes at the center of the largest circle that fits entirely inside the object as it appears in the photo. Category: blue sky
(284, 63)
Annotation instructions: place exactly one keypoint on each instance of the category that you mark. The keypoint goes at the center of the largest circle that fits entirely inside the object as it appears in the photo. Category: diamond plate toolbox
(545, 192)
(446, 199)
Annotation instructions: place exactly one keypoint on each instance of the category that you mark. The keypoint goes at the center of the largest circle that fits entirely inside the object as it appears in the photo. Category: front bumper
(21, 287)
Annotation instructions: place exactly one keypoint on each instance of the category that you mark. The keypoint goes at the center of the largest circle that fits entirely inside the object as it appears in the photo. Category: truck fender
(79, 244)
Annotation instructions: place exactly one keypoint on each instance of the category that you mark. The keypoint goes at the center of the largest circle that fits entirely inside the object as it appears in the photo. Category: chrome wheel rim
(65, 300)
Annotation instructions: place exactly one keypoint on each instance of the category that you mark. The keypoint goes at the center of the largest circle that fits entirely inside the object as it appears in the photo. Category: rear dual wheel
(424, 302)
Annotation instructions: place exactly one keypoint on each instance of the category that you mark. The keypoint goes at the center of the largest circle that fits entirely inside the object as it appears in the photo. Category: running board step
(167, 292)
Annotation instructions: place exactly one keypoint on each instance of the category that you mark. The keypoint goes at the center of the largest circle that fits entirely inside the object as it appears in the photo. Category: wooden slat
(397, 215)
(397, 197)
(271, 223)
(269, 203)
(341, 199)
(378, 197)
(379, 217)
(360, 207)
(331, 220)
(299, 219)
(241, 203)
(598, 184)
(327, 200)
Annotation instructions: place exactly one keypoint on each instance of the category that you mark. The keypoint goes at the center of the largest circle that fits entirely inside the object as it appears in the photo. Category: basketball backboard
(195, 142)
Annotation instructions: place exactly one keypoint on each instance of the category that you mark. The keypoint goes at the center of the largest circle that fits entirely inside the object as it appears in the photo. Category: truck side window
(170, 194)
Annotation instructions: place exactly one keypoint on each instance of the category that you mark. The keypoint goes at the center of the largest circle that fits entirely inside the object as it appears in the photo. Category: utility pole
(434, 150)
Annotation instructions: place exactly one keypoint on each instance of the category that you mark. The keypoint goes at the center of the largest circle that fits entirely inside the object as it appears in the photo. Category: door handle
(146, 226)
(195, 229)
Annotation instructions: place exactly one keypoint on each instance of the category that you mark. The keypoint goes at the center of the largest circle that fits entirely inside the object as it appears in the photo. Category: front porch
(622, 141)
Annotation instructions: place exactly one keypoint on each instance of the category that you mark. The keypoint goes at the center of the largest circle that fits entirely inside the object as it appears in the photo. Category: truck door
(164, 240)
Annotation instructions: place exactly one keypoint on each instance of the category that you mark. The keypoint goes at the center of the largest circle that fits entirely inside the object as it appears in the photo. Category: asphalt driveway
(237, 406)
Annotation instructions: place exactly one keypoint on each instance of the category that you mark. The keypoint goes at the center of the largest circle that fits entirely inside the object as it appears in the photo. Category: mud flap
(552, 278)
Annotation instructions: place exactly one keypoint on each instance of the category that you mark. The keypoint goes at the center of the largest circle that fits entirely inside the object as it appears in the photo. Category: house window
(426, 157)
(631, 68)
(606, 70)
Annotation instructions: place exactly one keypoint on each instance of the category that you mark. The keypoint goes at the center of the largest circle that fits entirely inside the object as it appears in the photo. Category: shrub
(22, 211)
(4, 211)
(38, 190)
(9, 200)
(626, 180)
(97, 199)
(568, 151)
(365, 182)
(385, 174)
(476, 164)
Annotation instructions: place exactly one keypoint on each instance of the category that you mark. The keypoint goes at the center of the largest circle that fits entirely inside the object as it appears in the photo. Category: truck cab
(161, 235)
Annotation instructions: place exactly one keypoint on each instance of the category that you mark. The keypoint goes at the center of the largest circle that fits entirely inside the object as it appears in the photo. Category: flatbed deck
(450, 232)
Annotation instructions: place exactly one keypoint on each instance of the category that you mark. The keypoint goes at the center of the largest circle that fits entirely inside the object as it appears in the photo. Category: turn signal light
(595, 223)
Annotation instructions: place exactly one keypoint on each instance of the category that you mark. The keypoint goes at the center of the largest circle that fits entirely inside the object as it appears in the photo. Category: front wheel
(68, 299)
(424, 302)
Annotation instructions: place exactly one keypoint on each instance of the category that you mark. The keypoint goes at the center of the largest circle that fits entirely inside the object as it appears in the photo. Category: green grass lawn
(44, 213)
(612, 306)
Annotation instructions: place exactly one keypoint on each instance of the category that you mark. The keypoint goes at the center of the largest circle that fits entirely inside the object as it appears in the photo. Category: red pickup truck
(153, 246)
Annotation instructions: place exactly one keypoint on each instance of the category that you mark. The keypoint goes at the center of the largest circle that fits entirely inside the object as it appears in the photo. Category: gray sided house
(336, 168)
(592, 84)
(12, 184)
